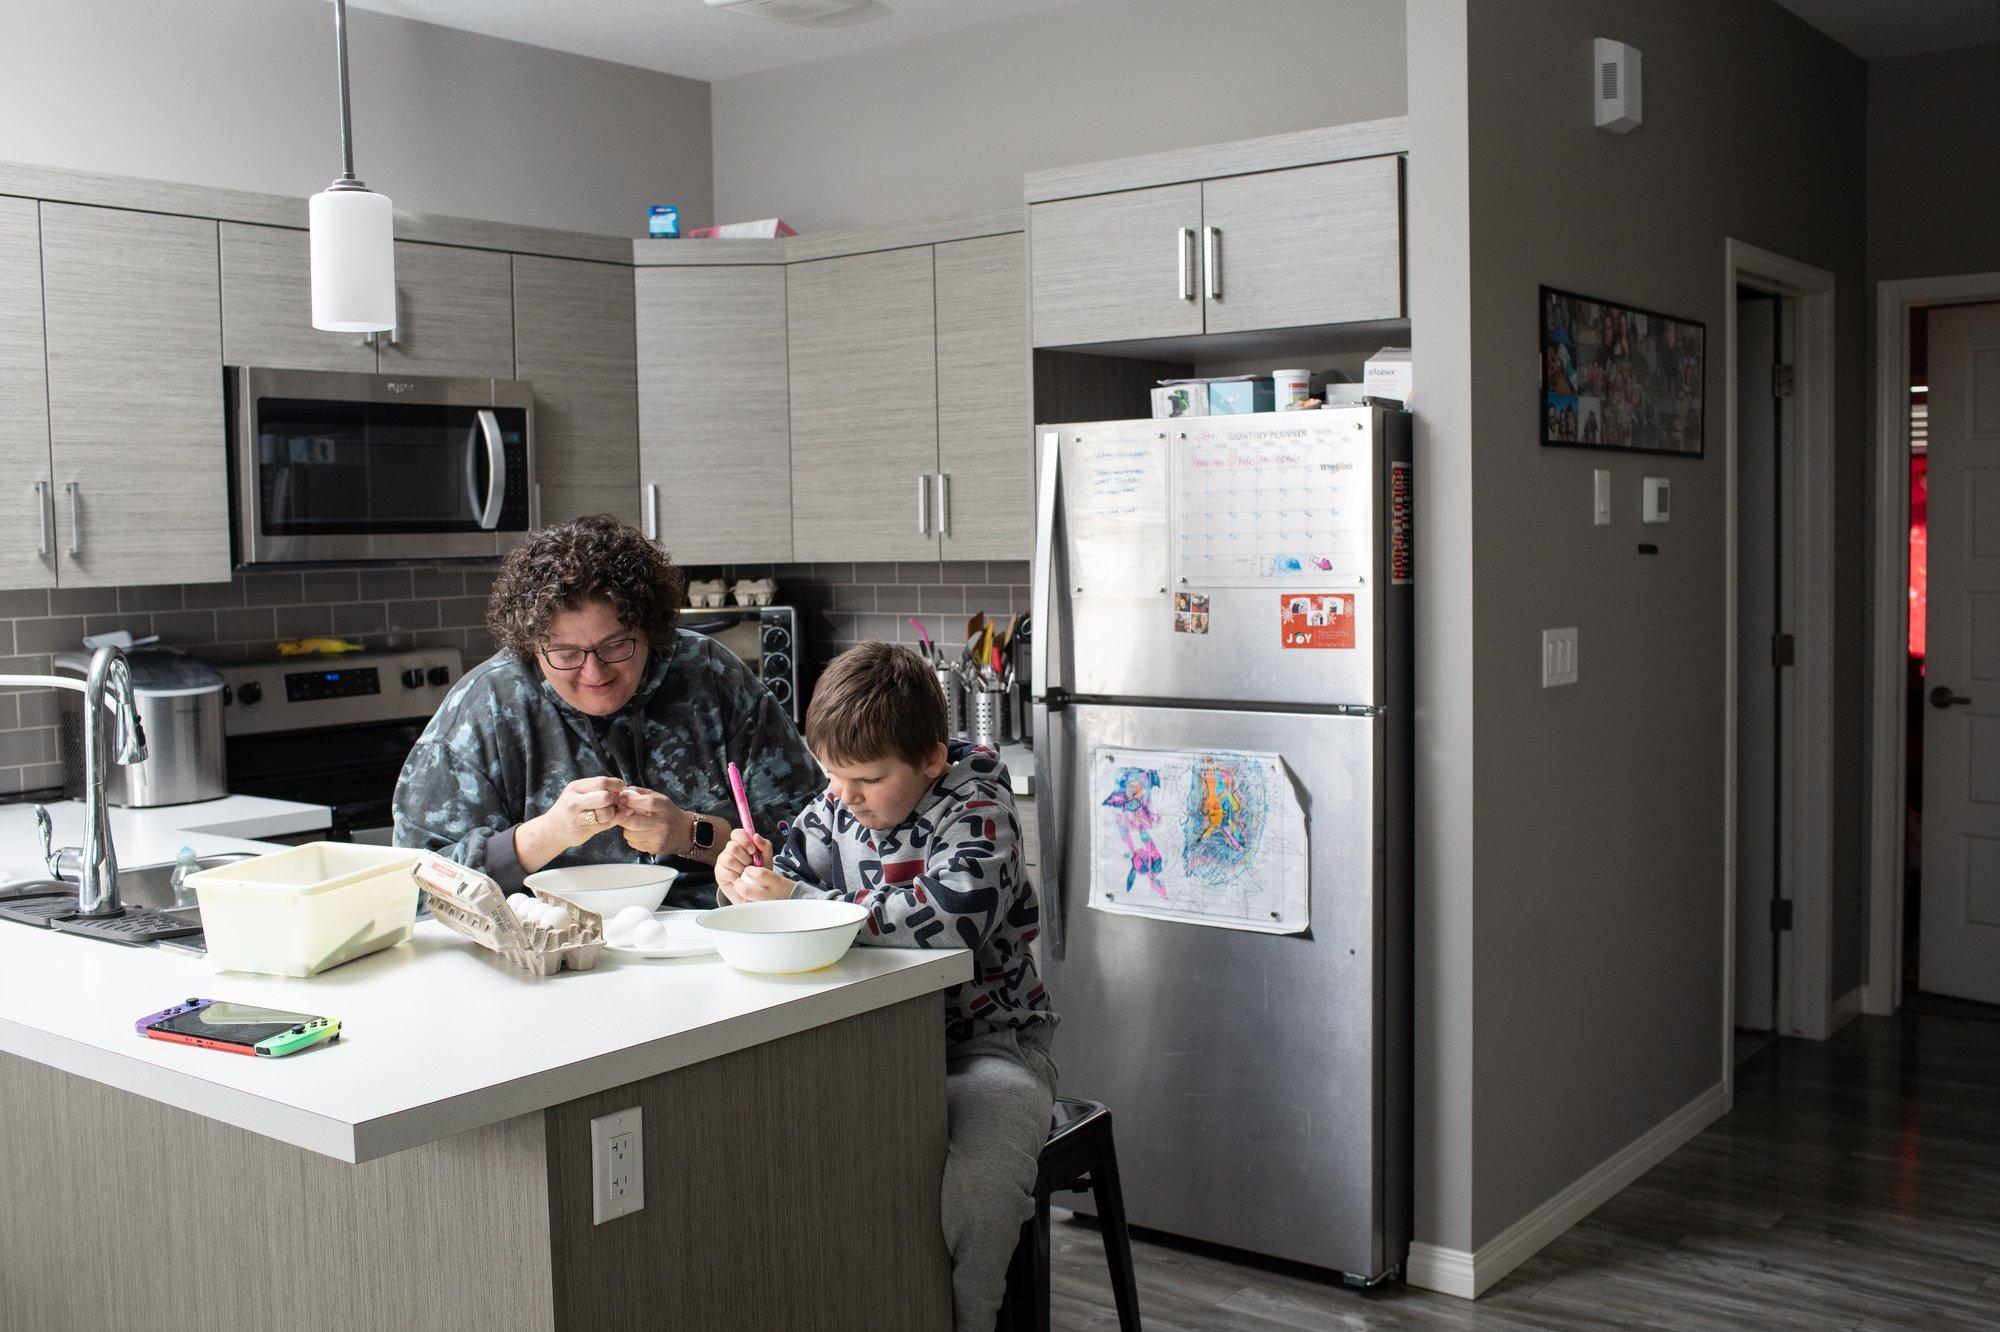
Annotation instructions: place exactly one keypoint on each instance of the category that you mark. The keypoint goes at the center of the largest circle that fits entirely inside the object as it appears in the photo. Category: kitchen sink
(153, 885)
(146, 890)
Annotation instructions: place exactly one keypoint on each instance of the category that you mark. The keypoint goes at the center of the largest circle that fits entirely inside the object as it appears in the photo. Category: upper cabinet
(1294, 231)
(984, 405)
(133, 312)
(715, 445)
(863, 349)
(454, 313)
(267, 305)
(573, 341)
(27, 537)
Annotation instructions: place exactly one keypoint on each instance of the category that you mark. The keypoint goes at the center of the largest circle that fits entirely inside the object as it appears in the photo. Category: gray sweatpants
(999, 1090)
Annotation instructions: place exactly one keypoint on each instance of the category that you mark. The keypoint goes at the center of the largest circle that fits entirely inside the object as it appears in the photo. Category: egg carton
(472, 903)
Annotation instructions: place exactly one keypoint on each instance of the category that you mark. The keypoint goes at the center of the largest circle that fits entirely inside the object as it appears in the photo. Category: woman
(601, 731)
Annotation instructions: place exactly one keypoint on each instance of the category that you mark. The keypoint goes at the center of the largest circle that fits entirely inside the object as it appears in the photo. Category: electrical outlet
(617, 1165)
(1558, 657)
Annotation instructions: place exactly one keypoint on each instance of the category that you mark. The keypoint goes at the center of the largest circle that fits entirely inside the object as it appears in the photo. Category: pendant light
(353, 234)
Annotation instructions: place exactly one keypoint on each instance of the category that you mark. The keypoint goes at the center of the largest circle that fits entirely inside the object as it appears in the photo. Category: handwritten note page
(1117, 513)
(1271, 503)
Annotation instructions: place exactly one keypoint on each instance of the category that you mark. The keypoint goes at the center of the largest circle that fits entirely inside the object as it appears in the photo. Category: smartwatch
(701, 837)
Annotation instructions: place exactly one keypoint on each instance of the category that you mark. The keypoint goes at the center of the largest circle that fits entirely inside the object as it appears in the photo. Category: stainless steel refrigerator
(1222, 602)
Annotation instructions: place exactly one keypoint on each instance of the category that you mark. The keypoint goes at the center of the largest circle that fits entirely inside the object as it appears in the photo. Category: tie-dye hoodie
(504, 745)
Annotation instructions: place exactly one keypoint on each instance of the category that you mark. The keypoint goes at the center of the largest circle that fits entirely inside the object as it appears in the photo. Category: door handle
(1051, 819)
(1942, 698)
(1044, 568)
(944, 503)
(45, 513)
(1211, 260)
(1183, 280)
(652, 512)
(496, 470)
(75, 518)
(924, 504)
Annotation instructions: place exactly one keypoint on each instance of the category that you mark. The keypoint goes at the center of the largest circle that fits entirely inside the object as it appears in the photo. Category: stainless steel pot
(180, 706)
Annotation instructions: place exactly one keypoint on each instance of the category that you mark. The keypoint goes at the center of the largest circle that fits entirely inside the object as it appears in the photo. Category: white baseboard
(1878, 1000)
(1469, 1275)
(1847, 1008)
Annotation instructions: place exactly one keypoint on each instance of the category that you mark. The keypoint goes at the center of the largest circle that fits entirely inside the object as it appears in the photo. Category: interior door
(1960, 928)
(1757, 679)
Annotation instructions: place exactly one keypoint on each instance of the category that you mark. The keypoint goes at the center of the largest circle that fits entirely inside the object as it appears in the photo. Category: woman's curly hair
(565, 567)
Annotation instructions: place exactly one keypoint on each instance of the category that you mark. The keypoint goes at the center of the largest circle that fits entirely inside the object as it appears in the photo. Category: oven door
(346, 467)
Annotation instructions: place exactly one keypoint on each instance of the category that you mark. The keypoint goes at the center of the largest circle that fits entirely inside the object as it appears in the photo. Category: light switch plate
(1558, 657)
(1658, 505)
(617, 1165)
(1600, 496)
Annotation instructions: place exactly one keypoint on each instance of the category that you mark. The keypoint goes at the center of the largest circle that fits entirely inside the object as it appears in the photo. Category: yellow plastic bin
(297, 912)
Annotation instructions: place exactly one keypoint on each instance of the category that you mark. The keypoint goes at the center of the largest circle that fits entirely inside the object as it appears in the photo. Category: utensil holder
(991, 717)
(954, 700)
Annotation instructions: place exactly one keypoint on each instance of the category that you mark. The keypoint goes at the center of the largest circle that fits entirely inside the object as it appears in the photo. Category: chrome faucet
(96, 861)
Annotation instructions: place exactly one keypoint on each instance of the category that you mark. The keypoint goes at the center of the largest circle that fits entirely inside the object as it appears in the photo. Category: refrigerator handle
(1045, 535)
(1051, 823)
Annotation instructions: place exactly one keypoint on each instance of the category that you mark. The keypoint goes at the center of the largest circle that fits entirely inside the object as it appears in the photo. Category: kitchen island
(433, 1167)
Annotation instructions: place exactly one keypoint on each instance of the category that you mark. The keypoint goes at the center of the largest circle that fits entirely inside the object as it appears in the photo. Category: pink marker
(743, 810)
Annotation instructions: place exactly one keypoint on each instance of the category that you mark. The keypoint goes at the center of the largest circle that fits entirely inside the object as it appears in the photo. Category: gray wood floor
(1856, 1184)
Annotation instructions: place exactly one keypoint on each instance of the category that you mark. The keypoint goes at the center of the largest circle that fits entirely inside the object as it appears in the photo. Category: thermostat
(1658, 505)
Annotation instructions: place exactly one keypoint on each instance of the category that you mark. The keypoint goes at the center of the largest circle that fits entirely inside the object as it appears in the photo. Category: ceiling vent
(788, 11)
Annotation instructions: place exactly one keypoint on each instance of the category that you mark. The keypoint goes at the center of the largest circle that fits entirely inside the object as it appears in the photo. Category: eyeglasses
(571, 658)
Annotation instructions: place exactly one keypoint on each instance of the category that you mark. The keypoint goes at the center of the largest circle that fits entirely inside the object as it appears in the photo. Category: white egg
(649, 934)
(557, 917)
(519, 902)
(629, 917)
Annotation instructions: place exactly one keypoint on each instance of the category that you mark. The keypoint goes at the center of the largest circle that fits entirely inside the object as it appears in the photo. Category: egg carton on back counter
(472, 904)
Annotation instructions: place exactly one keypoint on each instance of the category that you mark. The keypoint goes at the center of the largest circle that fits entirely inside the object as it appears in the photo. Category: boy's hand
(761, 885)
(735, 859)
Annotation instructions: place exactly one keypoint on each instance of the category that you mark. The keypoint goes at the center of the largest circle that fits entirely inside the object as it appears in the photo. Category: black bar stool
(1077, 1156)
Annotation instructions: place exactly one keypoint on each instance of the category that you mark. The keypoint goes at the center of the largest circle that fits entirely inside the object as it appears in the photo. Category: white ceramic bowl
(802, 934)
(606, 889)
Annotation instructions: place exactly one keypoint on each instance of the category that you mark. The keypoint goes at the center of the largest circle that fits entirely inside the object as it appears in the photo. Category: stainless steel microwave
(330, 466)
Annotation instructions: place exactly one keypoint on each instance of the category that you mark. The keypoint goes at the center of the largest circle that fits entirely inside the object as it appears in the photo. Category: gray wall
(241, 94)
(863, 138)
(1593, 865)
(1933, 140)
(1599, 808)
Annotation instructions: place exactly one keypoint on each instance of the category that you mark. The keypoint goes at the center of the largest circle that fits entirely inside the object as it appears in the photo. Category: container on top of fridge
(300, 911)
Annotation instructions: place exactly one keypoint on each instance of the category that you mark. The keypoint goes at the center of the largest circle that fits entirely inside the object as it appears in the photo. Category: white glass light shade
(353, 261)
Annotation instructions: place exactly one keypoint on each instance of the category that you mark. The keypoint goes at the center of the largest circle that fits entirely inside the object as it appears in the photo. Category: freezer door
(1224, 559)
(1260, 1094)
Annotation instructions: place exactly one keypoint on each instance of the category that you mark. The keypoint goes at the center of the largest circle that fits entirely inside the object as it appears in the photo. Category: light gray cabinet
(984, 403)
(1313, 245)
(1117, 266)
(133, 314)
(573, 341)
(27, 536)
(454, 313)
(715, 443)
(267, 305)
(863, 351)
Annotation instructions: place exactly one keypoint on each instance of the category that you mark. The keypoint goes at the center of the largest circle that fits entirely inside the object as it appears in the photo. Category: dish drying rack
(472, 904)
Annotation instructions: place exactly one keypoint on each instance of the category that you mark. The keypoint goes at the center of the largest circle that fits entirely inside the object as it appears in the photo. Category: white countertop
(155, 836)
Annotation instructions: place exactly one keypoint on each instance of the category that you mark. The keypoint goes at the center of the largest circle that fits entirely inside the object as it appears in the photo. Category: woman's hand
(653, 824)
(586, 807)
(745, 882)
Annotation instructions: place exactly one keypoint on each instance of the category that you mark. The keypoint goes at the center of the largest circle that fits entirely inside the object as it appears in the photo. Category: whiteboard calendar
(1271, 501)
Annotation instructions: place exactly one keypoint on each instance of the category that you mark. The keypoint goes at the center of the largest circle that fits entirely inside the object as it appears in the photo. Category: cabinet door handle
(1211, 260)
(944, 503)
(924, 504)
(1183, 280)
(45, 513)
(75, 519)
(652, 512)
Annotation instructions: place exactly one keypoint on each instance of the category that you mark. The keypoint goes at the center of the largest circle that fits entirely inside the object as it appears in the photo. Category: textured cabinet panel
(454, 313)
(714, 423)
(1108, 267)
(24, 389)
(863, 333)
(134, 318)
(985, 407)
(267, 305)
(573, 341)
(1313, 245)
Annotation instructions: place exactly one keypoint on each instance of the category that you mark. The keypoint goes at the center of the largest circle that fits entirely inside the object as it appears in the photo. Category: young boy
(922, 832)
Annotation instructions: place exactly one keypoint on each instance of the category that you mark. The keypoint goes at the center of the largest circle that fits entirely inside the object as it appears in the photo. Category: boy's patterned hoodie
(948, 876)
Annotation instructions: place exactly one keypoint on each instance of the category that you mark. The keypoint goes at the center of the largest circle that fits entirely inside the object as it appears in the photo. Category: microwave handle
(496, 470)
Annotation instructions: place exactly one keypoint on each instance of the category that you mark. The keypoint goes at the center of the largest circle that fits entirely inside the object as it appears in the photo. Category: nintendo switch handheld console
(238, 1028)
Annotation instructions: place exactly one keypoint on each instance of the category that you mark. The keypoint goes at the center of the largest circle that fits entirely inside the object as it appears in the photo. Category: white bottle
(1289, 389)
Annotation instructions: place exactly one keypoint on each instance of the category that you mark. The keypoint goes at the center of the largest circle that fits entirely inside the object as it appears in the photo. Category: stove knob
(413, 678)
(440, 675)
(249, 693)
